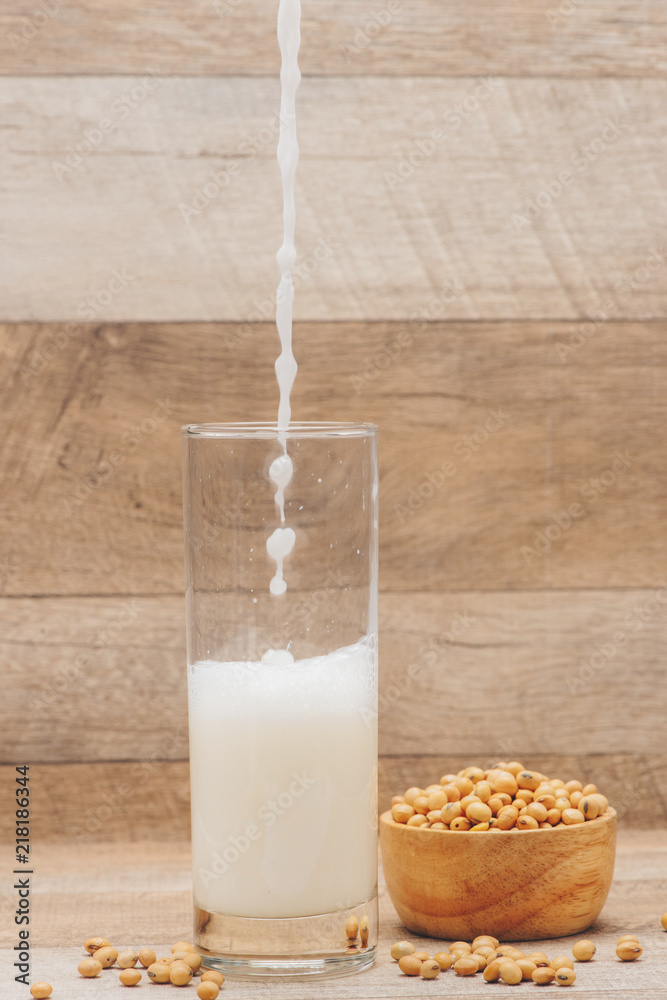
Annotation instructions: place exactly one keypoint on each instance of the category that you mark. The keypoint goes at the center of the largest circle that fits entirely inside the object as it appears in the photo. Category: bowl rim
(607, 816)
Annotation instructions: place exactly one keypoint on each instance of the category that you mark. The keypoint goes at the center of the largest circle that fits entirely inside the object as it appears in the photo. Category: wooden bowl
(523, 885)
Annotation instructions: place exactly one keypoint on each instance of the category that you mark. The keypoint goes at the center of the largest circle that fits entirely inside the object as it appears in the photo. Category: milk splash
(281, 542)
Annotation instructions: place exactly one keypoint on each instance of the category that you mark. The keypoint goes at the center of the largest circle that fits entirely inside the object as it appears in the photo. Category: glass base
(289, 947)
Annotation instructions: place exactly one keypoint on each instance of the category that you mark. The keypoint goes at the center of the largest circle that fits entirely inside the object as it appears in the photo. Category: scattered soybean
(628, 951)
(130, 977)
(583, 951)
(89, 968)
(400, 949)
(41, 990)
(208, 990)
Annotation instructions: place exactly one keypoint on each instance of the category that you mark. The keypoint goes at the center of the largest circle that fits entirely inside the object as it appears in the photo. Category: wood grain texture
(109, 802)
(92, 803)
(141, 896)
(104, 679)
(502, 198)
(441, 37)
(503, 464)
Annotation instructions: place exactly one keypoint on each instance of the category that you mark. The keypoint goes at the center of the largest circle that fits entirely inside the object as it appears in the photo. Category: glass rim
(270, 430)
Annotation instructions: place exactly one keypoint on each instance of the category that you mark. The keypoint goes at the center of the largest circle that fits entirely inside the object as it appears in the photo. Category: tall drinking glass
(282, 693)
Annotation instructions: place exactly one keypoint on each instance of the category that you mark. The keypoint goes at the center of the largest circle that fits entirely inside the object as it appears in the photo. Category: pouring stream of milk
(281, 542)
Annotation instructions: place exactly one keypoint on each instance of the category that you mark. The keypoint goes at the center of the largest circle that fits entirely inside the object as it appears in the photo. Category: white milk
(283, 754)
(283, 772)
(289, 39)
(280, 544)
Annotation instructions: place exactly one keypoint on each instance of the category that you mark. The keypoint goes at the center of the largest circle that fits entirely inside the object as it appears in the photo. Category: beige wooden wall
(482, 207)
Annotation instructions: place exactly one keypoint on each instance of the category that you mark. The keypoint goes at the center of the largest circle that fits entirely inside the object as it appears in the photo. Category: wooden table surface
(139, 894)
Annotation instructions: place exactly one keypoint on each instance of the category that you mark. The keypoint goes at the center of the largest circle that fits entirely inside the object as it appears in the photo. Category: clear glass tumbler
(282, 692)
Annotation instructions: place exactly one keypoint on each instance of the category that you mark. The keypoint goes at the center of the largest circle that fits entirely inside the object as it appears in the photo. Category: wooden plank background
(436, 648)
(487, 309)
(435, 37)
(540, 197)
(92, 495)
